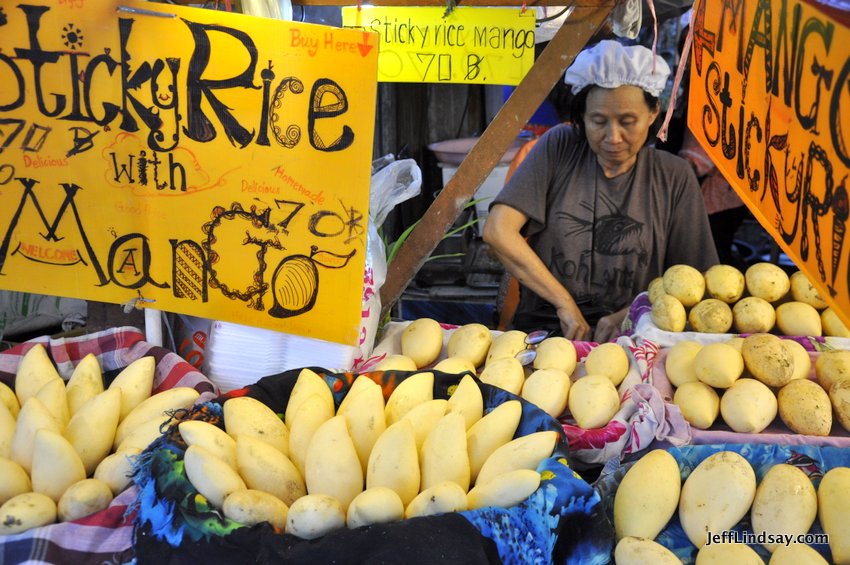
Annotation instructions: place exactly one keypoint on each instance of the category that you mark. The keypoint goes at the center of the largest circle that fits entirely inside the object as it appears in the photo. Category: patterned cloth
(638, 322)
(559, 523)
(115, 349)
(104, 537)
(643, 416)
(813, 460)
(720, 433)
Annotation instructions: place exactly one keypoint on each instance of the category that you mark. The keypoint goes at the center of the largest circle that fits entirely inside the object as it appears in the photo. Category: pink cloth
(643, 417)
(775, 433)
(716, 191)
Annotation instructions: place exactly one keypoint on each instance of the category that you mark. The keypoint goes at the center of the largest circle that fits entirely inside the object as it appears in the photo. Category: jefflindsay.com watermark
(761, 538)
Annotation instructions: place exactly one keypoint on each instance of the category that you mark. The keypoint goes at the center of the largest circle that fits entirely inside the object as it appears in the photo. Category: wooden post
(568, 41)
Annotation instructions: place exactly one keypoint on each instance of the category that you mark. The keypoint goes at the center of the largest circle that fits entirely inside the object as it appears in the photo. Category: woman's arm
(608, 327)
(502, 234)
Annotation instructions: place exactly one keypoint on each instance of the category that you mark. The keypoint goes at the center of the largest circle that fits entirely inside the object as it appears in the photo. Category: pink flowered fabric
(643, 416)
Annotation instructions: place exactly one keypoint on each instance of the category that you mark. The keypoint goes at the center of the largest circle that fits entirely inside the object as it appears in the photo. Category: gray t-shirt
(606, 239)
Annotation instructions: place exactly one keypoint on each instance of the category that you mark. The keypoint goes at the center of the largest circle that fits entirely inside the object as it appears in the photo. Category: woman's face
(616, 122)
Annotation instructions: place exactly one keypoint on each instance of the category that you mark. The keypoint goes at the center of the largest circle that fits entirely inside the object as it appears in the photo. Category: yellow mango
(265, 468)
(364, 414)
(394, 461)
(92, 428)
(136, 383)
(34, 371)
(489, 433)
(524, 452)
(834, 512)
(647, 496)
(86, 381)
(467, 401)
(332, 466)
(422, 341)
(306, 385)
(444, 456)
(55, 464)
(410, 392)
(505, 490)
(716, 495)
(246, 415)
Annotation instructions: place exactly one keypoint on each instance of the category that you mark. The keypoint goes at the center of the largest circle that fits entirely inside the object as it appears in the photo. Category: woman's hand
(608, 327)
(502, 232)
(573, 324)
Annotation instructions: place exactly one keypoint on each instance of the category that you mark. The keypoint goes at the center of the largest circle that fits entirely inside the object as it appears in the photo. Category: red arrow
(364, 47)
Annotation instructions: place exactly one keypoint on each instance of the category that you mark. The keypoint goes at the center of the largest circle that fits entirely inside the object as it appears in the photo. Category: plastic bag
(23, 312)
(626, 19)
(390, 186)
(188, 336)
(549, 21)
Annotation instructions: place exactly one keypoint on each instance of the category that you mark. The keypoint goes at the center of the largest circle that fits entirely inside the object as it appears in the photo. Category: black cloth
(449, 539)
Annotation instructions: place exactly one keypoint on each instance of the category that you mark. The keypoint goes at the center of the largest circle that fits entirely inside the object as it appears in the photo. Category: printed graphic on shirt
(615, 233)
(604, 282)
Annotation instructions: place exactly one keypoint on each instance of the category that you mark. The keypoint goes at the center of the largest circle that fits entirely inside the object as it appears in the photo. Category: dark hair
(579, 106)
(561, 99)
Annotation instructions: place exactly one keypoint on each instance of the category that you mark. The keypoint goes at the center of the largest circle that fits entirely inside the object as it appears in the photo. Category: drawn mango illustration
(296, 281)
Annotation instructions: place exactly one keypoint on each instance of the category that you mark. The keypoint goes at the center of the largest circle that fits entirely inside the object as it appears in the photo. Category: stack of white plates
(239, 355)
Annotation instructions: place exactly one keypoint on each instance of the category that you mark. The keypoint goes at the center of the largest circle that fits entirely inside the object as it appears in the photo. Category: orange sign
(770, 102)
(209, 163)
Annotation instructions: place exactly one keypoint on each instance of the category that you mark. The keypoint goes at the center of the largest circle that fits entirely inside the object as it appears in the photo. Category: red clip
(524, 7)
(359, 5)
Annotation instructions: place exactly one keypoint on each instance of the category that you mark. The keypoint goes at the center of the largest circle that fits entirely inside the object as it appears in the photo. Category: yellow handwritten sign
(211, 163)
(769, 101)
(469, 45)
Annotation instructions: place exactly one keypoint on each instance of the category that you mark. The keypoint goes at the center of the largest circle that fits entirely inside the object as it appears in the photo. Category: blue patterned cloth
(561, 522)
(813, 460)
(557, 512)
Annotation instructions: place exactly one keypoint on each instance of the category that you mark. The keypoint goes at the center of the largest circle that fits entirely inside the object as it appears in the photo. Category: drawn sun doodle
(354, 224)
(613, 234)
(72, 36)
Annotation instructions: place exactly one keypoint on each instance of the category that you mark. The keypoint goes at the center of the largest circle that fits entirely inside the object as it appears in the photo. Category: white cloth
(626, 18)
(609, 64)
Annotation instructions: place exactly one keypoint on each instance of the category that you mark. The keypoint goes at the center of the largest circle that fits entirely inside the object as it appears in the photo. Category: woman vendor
(593, 214)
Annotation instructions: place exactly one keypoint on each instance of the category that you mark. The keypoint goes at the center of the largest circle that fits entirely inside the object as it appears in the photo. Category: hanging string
(680, 71)
(654, 32)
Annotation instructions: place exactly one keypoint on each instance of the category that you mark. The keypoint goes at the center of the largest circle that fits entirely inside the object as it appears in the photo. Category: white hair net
(609, 64)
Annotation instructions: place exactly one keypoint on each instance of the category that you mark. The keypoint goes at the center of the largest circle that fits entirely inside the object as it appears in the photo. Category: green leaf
(393, 247)
(444, 256)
